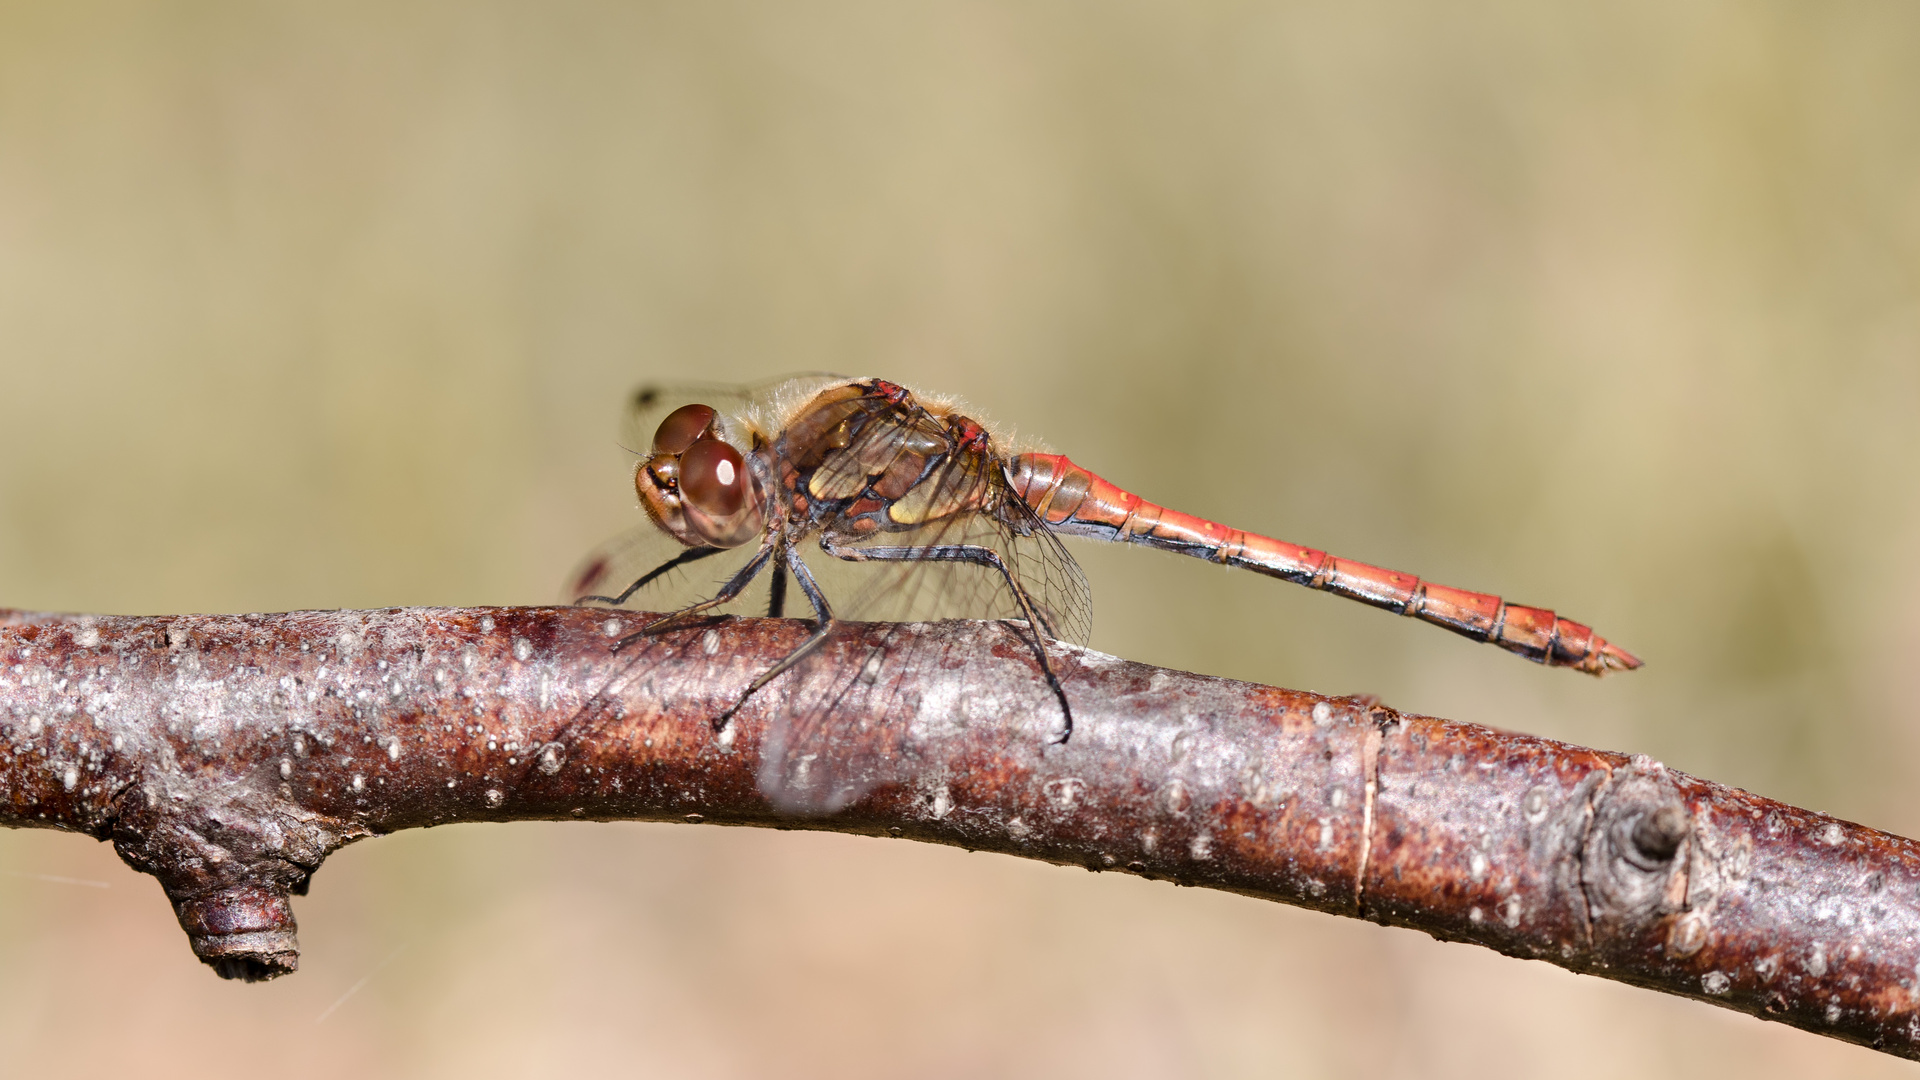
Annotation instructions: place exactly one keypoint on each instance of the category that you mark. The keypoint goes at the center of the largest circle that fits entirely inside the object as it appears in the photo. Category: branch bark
(229, 755)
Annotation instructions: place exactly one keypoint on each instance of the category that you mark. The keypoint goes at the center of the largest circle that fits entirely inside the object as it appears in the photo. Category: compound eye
(681, 427)
(713, 477)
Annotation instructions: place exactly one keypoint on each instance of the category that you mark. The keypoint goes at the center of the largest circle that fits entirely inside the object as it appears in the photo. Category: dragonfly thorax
(866, 458)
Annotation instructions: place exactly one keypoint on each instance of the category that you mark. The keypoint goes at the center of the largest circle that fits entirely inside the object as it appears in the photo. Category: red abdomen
(1075, 502)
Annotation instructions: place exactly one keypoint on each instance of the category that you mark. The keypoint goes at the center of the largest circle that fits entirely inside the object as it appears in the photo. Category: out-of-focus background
(1610, 308)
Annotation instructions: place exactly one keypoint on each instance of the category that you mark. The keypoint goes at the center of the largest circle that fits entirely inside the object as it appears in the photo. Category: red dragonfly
(949, 522)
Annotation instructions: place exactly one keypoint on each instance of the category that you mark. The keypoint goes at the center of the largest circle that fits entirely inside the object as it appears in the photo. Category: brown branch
(227, 756)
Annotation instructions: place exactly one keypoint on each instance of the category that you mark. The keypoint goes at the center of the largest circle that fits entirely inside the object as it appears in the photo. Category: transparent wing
(749, 406)
(818, 759)
(930, 587)
(847, 724)
(609, 569)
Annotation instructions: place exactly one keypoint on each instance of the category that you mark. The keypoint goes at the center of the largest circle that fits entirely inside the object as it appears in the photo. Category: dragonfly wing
(848, 725)
(1050, 573)
(641, 551)
(926, 588)
(844, 728)
(746, 409)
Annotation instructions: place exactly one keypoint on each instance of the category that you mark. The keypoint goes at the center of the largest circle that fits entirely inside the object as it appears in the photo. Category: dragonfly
(812, 472)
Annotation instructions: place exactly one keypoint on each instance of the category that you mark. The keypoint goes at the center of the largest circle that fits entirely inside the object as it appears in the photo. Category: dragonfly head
(697, 486)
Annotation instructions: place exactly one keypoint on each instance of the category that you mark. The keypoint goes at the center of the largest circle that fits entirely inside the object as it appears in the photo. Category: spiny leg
(733, 588)
(777, 598)
(691, 555)
(823, 626)
(978, 556)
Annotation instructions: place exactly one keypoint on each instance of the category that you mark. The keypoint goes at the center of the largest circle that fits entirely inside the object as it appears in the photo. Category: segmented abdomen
(1075, 502)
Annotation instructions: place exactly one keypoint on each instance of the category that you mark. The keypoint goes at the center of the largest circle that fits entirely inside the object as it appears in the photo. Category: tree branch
(228, 756)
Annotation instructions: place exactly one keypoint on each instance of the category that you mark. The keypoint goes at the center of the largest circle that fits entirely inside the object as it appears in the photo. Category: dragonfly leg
(979, 556)
(691, 555)
(777, 596)
(734, 587)
(823, 625)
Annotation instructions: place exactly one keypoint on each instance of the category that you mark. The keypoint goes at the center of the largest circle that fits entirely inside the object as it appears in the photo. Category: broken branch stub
(229, 755)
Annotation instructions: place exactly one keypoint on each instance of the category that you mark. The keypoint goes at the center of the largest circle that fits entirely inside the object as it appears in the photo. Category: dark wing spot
(590, 577)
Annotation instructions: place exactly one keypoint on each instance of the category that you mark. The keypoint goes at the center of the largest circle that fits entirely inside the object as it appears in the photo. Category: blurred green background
(1609, 308)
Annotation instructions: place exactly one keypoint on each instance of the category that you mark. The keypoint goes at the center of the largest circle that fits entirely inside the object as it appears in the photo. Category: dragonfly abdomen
(1076, 502)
